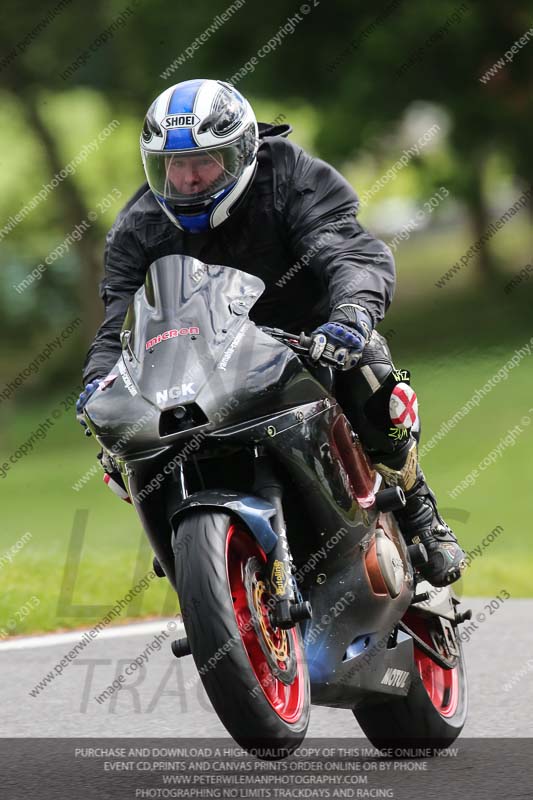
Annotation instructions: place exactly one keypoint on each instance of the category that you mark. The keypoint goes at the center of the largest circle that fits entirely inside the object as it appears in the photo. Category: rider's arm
(320, 212)
(125, 268)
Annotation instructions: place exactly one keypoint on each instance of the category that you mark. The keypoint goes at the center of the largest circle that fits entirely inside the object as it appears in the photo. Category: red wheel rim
(287, 700)
(441, 685)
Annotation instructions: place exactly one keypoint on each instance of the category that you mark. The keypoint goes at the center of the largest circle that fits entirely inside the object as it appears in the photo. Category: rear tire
(255, 676)
(433, 713)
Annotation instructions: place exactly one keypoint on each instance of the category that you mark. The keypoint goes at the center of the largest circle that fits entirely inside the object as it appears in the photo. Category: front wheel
(433, 713)
(255, 676)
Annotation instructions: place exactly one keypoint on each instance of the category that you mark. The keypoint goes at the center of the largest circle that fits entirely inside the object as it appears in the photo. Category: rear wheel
(255, 676)
(434, 711)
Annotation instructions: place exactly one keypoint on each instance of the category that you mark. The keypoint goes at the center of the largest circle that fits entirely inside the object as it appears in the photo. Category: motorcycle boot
(420, 521)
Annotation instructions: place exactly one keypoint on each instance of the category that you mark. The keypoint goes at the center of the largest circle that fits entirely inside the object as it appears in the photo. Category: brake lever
(300, 344)
(305, 343)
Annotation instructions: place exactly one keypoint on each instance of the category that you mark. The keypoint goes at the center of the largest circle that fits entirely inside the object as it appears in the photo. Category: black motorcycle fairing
(182, 321)
(187, 340)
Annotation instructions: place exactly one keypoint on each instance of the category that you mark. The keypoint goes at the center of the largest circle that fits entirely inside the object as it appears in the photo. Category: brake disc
(276, 644)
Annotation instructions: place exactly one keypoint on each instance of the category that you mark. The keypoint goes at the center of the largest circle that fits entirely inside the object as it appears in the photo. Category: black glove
(344, 337)
(82, 399)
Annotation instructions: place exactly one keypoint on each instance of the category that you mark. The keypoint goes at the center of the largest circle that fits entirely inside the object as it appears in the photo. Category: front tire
(255, 676)
(433, 713)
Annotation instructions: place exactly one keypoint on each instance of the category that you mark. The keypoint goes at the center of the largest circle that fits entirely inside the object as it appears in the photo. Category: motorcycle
(294, 582)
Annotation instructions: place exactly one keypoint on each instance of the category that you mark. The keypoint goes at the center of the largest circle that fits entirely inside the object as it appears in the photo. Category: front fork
(288, 608)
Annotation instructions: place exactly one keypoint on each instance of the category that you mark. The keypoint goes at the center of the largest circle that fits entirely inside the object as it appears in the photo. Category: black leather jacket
(296, 229)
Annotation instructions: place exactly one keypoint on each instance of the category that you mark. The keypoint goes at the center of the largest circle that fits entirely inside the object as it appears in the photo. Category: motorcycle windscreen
(182, 324)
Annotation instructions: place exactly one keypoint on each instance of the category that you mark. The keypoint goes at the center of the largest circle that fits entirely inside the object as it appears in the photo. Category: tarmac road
(166, 699)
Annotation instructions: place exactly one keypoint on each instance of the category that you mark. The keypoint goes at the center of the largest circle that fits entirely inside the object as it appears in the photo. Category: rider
(228, 191)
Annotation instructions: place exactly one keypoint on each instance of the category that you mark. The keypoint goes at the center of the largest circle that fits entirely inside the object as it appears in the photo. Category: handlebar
(299, 343)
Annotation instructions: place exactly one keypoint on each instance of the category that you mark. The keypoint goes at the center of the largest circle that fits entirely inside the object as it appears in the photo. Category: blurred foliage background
(360, 84)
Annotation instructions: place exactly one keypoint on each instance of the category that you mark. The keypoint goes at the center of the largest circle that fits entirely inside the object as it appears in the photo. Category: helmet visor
(187, 178)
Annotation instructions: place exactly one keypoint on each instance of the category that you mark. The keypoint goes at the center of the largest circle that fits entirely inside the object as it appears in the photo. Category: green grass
(37, 496)
(498, 495)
